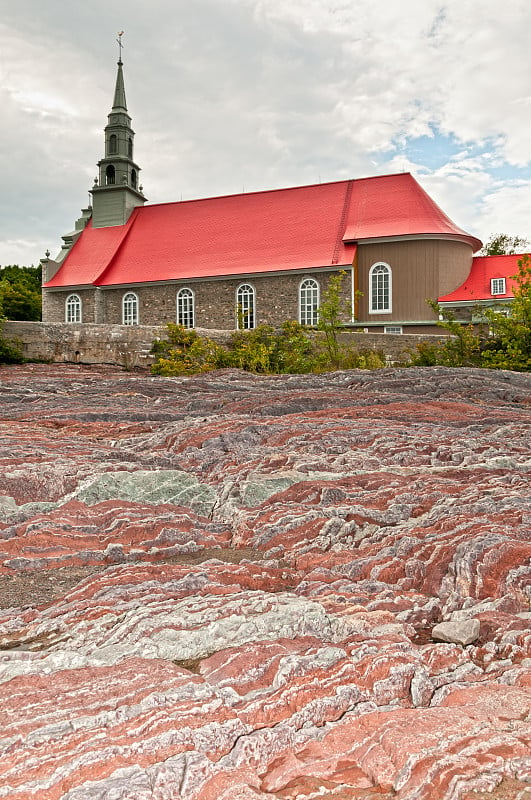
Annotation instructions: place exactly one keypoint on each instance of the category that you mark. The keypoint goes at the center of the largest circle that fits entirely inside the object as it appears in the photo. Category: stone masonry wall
(277, 299)
(129, 346)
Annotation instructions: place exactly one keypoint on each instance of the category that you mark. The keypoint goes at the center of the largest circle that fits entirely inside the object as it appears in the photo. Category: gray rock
(148, 486)
(461, 632)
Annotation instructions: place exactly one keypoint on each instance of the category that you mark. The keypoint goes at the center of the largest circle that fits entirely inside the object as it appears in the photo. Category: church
(260, 257)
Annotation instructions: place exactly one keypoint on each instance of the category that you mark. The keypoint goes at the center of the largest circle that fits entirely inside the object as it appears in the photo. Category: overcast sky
(243, 95)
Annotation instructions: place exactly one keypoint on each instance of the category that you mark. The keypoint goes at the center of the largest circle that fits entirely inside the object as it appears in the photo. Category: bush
(10, 352)
(509, 346)
(262, 350)
(269, 351)
(461, 349)
(185, 353)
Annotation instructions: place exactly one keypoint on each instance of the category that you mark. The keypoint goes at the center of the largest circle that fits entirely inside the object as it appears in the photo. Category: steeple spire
(120, 103)
(116, 191)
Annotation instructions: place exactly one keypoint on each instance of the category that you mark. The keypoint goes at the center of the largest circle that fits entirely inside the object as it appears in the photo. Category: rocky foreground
(295, 588)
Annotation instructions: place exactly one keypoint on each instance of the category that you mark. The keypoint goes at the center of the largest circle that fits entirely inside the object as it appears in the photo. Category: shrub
(461, 349)
(269, 351)
(509, 346)
(184, 352)
(262, 350)
(10, 352)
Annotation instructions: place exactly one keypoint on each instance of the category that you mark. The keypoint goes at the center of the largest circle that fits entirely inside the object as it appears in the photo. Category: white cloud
(263, 93)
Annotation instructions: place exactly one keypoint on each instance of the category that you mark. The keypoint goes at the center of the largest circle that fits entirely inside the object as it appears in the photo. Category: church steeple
(120, 103)
(116, 191)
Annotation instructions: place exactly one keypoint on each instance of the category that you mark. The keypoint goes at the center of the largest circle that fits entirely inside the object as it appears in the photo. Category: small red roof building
(490, 278)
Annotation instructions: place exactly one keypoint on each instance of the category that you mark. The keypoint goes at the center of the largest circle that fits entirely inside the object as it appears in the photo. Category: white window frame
(396, 329)
(497, 284)
(378, 287)
(73, 308)
(309, 300)
(130, 309)
(186, 307)
(246, 306)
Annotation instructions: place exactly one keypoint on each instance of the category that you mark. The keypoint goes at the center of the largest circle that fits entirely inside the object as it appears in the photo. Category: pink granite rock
(337, 518)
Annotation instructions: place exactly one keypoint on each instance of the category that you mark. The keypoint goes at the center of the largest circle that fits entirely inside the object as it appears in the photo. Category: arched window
(380, 289)
(245, 307)
(130, 309)
(133, 178)
(73, 308)
(309, 302)
(130, 147)
(185, 308)
(113, 143)
(110, 175)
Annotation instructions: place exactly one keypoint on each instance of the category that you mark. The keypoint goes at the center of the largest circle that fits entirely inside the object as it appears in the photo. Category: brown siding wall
(421, 270)
(455, 262)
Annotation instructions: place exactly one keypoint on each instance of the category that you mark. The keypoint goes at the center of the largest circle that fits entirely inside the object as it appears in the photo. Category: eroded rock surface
(262, 564)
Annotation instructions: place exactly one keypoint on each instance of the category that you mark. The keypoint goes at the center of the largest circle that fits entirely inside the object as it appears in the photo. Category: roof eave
(476, 244)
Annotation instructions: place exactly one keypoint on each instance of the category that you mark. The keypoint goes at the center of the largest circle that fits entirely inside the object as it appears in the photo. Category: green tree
(332, 310)
(501, 244)
(509, 345)
(20, 292)
(10, 352)
(461, 349)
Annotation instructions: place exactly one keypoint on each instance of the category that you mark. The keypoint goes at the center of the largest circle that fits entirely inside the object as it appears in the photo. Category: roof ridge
(342, 221)
(128, 228)
(278, 189)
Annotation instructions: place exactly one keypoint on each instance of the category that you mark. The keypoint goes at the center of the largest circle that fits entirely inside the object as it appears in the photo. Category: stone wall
(129, 346)
(276, 300)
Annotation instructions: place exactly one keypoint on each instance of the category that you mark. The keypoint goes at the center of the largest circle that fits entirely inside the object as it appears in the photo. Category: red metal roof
(284, 229)
(396, 205)
(90, 255)
(477, 285)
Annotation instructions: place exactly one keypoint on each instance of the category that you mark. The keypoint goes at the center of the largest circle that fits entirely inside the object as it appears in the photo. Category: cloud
(227, 94)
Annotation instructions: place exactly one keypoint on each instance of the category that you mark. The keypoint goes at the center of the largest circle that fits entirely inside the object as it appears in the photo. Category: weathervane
(120, 45)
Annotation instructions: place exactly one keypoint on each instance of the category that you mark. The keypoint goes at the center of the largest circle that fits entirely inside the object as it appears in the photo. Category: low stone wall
(85, 343)
(129, 346)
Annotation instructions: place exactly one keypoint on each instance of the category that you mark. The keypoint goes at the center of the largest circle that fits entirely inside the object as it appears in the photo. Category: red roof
(396, 205)
(478, 287)
(299, 228)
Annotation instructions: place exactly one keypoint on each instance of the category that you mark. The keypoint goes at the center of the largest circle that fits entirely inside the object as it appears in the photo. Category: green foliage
(19, 302)
(185, 353)
(509, 345)
(10, 352)
(269, 351)
(263, 350)
(20, 292)
(331, 312)
(501, 244)
(461, 349)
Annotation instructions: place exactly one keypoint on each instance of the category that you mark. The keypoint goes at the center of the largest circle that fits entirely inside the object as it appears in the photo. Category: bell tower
(116, 191)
